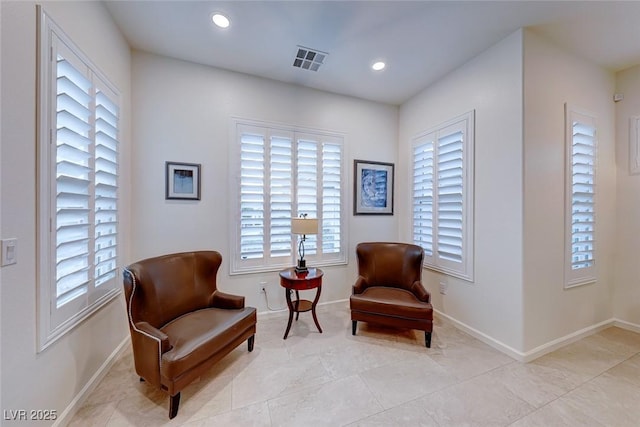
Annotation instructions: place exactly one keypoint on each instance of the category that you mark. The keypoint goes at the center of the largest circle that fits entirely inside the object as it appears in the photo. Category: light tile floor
(385, 377)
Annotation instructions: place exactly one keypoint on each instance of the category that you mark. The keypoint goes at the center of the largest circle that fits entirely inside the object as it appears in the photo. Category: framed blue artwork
(182, 181)
(373, 188)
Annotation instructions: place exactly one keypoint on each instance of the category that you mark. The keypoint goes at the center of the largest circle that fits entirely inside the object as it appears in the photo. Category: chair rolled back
(168, 286)
(390, 264)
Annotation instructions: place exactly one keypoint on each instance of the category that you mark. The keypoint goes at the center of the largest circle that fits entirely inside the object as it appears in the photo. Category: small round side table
(293, 281)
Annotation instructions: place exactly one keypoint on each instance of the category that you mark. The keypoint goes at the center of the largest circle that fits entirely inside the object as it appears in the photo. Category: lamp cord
(266, 297)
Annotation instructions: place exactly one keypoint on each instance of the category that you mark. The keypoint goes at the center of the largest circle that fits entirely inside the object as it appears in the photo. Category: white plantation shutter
(307, 186)
(442, 196)
(282, 174)
(73, 164)
(266, 191)
(78, 207)
(423, 193)
(581, 190)
(450, 218)
(106, 186)
(582, 194)
(252, 195)
(332, 204)
(281, 191)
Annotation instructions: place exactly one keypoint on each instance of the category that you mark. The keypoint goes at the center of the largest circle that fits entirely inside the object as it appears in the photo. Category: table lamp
(303, 226)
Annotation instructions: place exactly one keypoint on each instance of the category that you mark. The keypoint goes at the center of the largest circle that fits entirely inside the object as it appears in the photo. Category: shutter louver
(450, 197)
(73, 182)
(252, 199)
(281, 190)
(582, 195)
(331, 198)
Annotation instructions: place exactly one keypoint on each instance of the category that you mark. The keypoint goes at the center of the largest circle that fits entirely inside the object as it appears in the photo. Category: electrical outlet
(443, 288)
(9, 251)
(263, 287)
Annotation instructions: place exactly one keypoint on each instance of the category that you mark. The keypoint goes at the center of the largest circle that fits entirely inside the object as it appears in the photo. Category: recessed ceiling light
(378, 66)
(220, 20)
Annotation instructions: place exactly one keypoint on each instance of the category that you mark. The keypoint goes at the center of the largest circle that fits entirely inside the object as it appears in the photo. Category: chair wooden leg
(427, 339)
(354, 325)
(174, 403)
(250, 342)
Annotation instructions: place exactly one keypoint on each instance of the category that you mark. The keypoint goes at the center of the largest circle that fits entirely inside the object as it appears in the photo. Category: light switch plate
(9, 251)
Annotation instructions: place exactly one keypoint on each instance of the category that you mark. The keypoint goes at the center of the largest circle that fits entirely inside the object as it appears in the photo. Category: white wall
(627, 267)
(54, 377)
(1, 234)
(491, 84)
(551, 78)
(183, 112)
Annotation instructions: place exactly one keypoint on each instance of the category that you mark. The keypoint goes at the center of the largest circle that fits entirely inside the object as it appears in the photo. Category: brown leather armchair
(389, 290)
(180, 323)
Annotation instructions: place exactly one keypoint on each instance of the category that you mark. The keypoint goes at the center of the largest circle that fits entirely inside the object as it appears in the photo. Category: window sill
(448, 272)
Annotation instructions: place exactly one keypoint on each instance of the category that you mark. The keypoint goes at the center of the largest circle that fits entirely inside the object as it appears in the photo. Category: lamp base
(301, 267)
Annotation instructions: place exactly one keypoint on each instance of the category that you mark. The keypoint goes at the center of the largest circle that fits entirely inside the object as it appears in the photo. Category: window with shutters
(78, 186)
(580, 193)
(442, 196)
(281, 173)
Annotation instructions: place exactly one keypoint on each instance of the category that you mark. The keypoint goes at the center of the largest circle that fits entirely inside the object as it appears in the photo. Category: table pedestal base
(299, 306)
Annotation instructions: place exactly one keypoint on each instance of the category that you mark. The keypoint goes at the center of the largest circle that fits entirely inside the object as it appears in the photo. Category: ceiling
(419, 40)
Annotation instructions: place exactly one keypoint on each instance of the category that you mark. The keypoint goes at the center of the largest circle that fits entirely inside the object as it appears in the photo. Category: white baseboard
(566, 340)
(626, 325)
(65, 417)
(543, 349)
(498, 345)
(271, 313)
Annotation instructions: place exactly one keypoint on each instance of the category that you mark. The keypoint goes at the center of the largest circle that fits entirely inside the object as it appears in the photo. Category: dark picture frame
(373, 188)
(182, 181)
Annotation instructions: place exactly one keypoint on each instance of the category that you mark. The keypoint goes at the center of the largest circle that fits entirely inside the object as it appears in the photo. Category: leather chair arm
(157, 334)
(420, 292)
(360, 285)
(228, 301)
(149, 344)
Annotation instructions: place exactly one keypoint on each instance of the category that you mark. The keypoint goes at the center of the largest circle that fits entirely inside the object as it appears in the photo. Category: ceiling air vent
(309, 59)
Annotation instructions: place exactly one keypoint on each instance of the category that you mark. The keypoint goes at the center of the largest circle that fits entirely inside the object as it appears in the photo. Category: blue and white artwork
(183, 181)
(374, 188)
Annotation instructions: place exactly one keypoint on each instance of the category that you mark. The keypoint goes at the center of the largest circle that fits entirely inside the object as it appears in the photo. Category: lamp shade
(304, 226)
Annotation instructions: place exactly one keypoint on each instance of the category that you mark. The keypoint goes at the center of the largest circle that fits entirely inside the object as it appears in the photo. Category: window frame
(583, 275)
(464, 269)
(53, 321)
(240, 266)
